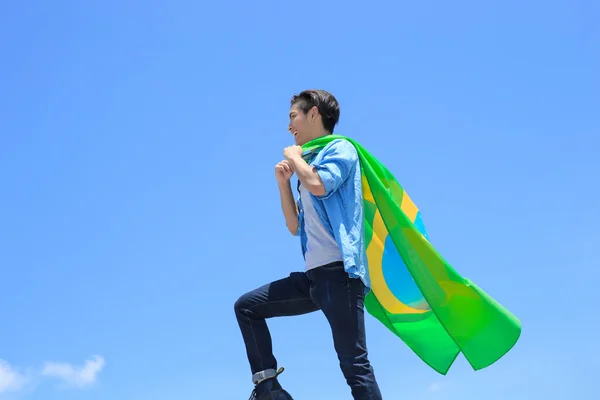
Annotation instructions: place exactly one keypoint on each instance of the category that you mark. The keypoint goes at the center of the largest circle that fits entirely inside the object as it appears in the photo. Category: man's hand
(307, 175)
(284, 171)
(292, 152)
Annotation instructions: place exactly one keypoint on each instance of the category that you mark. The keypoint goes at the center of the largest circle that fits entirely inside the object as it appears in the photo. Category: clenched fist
(284, 171)
(292, 152)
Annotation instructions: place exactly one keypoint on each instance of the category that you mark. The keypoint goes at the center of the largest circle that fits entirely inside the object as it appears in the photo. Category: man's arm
(308, 176)
(325, 177)
(283, 173)
(288, 205)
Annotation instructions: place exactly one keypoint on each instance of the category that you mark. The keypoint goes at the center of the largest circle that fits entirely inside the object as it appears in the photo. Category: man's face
(299, 125)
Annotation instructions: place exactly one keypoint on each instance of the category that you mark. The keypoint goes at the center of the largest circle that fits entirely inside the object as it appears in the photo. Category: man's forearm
(308, 176)
(288, 205)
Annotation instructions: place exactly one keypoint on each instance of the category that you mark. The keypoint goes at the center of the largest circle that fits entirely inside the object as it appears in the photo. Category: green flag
(415, 292)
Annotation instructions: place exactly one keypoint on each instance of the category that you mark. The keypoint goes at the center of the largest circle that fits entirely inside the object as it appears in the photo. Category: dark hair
(325, 102)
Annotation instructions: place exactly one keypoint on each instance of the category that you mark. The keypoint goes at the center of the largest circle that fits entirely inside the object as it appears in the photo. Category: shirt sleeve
(338, 161)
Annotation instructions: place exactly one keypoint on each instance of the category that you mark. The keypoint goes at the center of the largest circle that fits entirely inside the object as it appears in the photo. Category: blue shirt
(340, 209)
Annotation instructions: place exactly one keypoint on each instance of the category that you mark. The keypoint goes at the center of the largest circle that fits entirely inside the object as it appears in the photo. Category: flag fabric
(415, 292)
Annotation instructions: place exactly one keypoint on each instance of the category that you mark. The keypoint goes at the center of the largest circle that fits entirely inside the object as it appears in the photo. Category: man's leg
(285, 297)
(342, 300)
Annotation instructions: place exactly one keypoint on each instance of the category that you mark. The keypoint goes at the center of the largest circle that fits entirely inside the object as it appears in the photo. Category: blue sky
(138, 141)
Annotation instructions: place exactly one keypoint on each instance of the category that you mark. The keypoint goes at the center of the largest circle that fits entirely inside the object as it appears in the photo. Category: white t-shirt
(321, 247)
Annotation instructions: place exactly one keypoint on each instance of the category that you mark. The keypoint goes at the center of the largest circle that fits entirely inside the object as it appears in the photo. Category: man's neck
(319, 134)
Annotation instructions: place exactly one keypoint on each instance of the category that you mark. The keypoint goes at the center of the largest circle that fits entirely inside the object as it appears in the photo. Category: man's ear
(314, 113)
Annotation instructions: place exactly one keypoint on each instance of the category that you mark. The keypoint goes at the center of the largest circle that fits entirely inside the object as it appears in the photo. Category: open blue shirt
(340, 209)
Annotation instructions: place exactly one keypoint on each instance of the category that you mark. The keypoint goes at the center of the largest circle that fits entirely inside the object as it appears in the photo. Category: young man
(328, 218)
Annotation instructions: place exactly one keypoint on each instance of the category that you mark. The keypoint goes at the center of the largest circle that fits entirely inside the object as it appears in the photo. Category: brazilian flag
(415, 292)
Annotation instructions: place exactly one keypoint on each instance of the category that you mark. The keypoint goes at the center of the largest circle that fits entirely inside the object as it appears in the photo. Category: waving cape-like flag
(415, 292)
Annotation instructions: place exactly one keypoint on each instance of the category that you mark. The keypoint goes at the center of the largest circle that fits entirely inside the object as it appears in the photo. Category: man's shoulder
(340, 143)
(341, 147)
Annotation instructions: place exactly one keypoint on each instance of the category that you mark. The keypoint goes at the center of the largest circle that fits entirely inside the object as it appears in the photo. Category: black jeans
(338, 296)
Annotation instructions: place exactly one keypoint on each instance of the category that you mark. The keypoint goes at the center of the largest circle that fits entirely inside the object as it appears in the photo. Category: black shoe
(270, 389)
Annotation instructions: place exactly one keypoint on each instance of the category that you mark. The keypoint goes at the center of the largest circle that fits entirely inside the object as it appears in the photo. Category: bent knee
(238, 306)
(242, 303)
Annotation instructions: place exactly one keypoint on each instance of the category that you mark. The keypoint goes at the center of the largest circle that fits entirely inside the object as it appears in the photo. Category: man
(328, 218)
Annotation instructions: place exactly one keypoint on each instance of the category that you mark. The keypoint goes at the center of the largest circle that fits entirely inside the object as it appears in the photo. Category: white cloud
(10, 379)
(75, 376)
